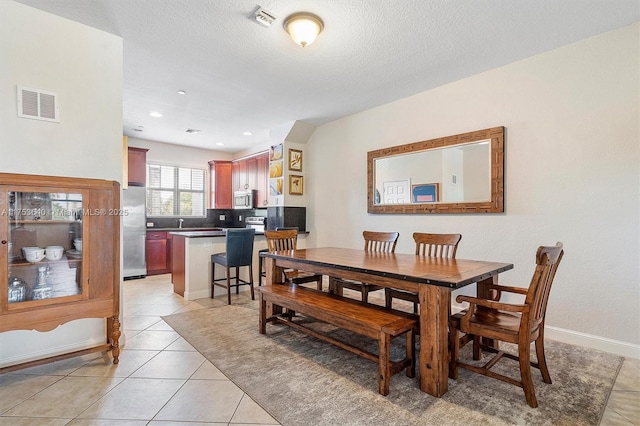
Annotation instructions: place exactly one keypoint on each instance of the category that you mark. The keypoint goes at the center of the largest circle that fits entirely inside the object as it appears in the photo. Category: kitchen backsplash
(216, 218)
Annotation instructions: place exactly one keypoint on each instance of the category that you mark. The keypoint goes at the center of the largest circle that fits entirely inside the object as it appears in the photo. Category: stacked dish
(33, 254)
(54, 252)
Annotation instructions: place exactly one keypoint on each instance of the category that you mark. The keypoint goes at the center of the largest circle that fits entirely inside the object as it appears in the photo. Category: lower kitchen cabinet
(158, 252)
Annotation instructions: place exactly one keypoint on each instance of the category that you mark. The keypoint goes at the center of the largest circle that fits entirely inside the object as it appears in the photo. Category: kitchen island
(191, 261)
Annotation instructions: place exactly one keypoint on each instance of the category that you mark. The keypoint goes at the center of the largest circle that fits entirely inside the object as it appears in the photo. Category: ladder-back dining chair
(261, 262)
(519, 324)
(239, 252)
(287, 239)
(381, 242)
(435, 245)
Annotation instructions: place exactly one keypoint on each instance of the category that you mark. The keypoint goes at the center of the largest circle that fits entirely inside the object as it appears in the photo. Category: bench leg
(384, 363)
(262, 322)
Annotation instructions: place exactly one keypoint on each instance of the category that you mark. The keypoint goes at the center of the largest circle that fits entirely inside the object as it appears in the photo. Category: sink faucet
(180, 222)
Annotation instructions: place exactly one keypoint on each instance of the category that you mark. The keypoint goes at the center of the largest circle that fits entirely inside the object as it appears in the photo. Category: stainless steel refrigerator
(134, 223)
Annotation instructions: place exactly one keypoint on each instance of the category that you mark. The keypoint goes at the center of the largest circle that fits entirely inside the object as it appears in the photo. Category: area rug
(301, 380)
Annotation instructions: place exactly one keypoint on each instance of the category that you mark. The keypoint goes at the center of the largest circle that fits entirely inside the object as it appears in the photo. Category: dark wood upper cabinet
(247, 173)
(137, 166)
(221, 184)
(263, 179)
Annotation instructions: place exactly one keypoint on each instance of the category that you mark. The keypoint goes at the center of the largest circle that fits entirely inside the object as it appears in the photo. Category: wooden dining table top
(451, 273)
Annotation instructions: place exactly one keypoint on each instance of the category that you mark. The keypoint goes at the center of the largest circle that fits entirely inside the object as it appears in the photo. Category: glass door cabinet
(45, 246)
(59, 255)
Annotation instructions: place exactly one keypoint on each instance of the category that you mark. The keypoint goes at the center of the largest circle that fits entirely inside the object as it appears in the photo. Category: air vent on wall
(37, 104)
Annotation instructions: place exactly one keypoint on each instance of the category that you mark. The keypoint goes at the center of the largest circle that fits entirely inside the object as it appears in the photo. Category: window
(175, 191)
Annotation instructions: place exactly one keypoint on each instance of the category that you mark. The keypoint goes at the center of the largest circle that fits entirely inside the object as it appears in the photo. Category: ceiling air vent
(37, 104)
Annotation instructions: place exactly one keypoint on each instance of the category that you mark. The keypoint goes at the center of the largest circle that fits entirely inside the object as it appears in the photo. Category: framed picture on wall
(295, 160)
(275, 152)
(295, 184)
(425, 193)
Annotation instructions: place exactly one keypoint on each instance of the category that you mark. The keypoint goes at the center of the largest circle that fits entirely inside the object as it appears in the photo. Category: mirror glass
(456, 174)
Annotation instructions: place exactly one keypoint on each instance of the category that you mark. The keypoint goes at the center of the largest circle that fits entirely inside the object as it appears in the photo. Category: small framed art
(295, 160)
(295, 184)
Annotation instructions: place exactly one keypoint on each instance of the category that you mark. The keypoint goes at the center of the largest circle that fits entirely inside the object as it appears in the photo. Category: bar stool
(239, 245)
(263, 271)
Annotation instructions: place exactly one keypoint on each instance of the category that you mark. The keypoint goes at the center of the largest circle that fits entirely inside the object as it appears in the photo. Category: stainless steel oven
(256, 223)
(244, 199)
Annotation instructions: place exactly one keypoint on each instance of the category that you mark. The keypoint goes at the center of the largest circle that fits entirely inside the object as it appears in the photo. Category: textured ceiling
(240, 76)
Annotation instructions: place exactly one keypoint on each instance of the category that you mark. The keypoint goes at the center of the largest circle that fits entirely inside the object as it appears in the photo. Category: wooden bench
(368, 320)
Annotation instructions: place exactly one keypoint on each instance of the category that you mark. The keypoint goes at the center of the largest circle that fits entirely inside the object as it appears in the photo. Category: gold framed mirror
(454, 174)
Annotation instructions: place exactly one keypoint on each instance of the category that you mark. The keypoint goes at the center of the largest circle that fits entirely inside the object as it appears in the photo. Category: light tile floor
(162, 380)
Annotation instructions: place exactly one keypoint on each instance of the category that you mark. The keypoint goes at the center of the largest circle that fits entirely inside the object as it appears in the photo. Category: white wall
(572, 175)
(83, 66)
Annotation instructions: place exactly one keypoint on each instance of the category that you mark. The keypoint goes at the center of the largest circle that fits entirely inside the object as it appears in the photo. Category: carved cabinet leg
(115, 337)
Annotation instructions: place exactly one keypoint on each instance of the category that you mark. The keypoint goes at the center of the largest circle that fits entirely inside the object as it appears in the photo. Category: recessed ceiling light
(219, 144)
(193, 131)
(247, 133)
(181, 92)
(155, 114)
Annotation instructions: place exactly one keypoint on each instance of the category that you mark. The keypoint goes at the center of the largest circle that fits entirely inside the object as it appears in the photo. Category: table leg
(435, 302)
(274, 275)
(332, 285)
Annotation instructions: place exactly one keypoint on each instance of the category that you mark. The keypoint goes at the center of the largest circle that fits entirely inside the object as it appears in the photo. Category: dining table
(432, 278)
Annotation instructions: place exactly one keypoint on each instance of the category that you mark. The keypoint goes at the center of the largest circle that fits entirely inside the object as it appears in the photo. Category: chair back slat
(285, 239)
(437, 245)
(547, 260)
(381, 242)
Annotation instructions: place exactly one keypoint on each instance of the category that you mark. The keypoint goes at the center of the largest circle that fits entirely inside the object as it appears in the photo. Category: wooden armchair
(436, 245)
(381, 242)
(520, 324)
(287, 239)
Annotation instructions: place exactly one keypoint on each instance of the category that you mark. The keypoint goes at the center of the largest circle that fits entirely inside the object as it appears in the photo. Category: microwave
(244, 199)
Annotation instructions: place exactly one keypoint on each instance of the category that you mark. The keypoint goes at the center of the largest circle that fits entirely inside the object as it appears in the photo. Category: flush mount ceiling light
(303, 27)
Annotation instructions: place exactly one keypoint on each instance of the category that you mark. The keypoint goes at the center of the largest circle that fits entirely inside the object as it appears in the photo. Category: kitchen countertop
(201, 228)
(203, 233)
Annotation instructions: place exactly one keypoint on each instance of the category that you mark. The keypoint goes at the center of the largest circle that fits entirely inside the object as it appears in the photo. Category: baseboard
(193, 295)
(625, 349)
(49, 352)
(617, 347)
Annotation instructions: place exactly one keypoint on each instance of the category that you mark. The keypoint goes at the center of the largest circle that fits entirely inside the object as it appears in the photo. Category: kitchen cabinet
(137, 166)
(221, 184)
(158, 252)
(262, 179)
(253, 173)
(59, 255)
